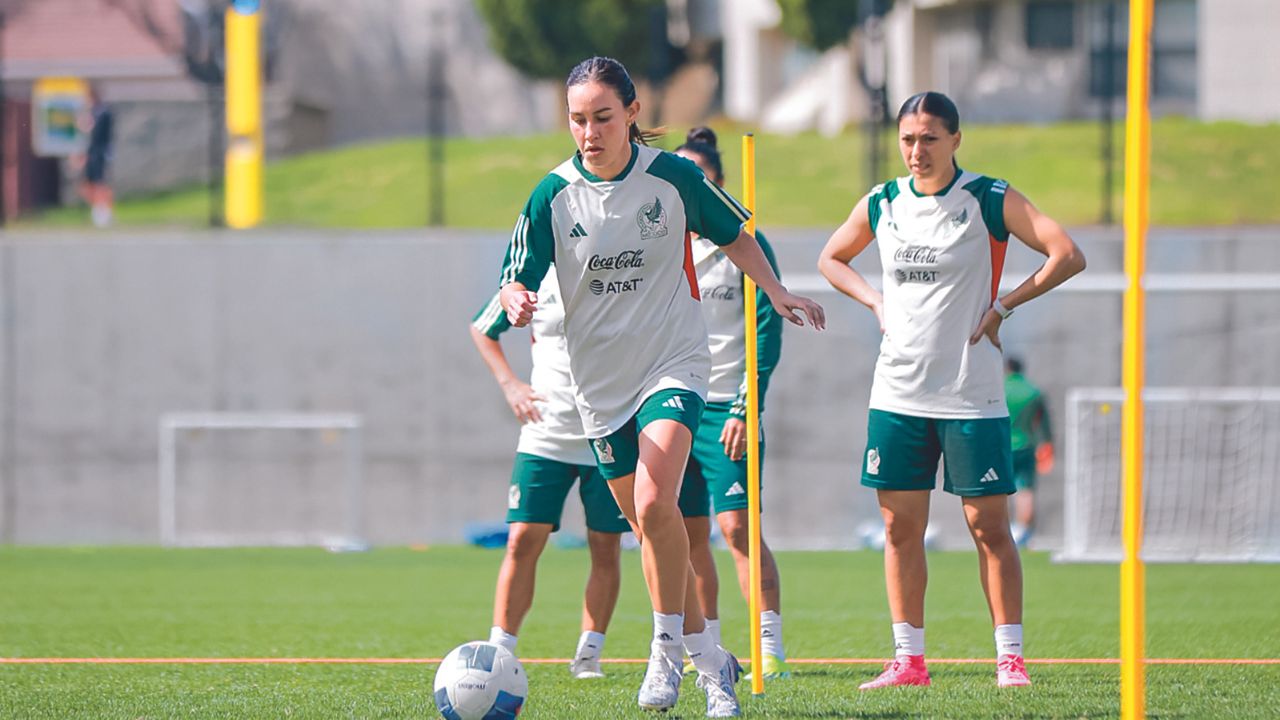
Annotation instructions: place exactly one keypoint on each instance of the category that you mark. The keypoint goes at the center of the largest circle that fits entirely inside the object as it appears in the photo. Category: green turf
(114, 602)
(1202, 174)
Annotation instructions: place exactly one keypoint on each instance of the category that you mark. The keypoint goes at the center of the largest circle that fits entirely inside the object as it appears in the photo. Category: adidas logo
(989, 476)
(734, 489)
(674, 402)
(577, 231)
(663, 637)
(960, 219)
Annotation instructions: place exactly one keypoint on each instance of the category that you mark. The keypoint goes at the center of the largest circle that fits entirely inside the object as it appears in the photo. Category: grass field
(804, 180)
(398, 603)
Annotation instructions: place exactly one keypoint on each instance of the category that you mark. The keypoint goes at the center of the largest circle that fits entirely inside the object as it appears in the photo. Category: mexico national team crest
(652, 220)
(604, 450)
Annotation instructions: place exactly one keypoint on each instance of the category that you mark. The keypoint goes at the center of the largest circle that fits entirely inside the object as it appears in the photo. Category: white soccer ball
(480, 681)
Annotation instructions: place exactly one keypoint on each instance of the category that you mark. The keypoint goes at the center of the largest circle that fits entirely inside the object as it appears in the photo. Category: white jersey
(942, 256)
(721, 284)
(622, 254)
(558, 435)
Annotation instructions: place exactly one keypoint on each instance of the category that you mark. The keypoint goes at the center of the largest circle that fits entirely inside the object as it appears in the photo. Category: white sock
(101, 215)
(771, 635)
(907, 639)
(1009, 640)
(713, 627)
(498, 636)
(703, 651)
(590, 645)
(667, 629)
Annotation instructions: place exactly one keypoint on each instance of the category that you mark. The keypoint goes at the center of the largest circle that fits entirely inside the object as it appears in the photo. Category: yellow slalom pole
(244, 115)
(1137, 183)
(753, 426)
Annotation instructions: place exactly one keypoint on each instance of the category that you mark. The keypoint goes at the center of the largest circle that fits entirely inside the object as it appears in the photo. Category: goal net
(234, 479)
(1211, 476)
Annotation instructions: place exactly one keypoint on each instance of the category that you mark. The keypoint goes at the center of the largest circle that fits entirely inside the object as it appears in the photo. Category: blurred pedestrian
(938, 389)
(95, 188)
(551, 456)
(1032, 442)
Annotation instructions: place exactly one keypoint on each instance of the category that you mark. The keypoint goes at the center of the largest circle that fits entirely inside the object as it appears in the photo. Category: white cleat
(722, 700)
(661, 687)
(586, 668)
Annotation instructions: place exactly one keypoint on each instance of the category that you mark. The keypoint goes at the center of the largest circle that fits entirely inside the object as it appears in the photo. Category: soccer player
(938, 387)
(615, 218)
(1032, 442)
(717, 470)
(552, 454)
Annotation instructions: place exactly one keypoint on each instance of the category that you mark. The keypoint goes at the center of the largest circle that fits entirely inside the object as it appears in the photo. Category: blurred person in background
(615, 219)
(938, 390)
(552, 454)
(98, 123)
(717, 471)
(1032, 442)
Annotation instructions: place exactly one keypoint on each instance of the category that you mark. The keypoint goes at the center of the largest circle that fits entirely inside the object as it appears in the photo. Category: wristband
(1000, 309)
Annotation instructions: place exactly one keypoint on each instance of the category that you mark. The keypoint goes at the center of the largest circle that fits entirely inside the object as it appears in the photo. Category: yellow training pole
(1137, 171)
(753, 426)
(244, 115)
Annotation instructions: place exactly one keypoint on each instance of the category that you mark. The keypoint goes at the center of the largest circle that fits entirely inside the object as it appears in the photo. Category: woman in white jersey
(939, 385)
(616, 218)
(716, 475)
(552, 454)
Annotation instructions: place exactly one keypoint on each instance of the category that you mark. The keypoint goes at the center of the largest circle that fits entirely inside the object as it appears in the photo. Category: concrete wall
(1240, 65)
(103, 334)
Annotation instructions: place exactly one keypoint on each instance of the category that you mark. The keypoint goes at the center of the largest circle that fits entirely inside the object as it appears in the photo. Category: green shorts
(1024, 469)
(618, 454)
(903, 451)
(539, 487)
(711, 477)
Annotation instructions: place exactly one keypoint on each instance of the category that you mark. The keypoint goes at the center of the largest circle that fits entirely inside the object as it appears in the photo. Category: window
(1173, 49)
(1051, 24)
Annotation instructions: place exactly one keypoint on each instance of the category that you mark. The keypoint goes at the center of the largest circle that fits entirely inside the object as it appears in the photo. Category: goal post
(343, 528)
(1212, 463)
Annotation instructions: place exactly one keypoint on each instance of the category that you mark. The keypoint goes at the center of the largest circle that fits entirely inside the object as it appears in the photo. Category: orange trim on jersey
(689, 271)
(997, 263)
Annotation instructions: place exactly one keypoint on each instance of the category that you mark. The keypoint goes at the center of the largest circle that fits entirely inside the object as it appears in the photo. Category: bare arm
(745, 252)
(846, 243)
(1044, 235)
(520, 396)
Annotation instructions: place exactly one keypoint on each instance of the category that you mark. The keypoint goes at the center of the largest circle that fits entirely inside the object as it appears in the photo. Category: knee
(991, 534)
(606, 549)
(653, 510)
(525, 544)
(904, 530)
(736, 534)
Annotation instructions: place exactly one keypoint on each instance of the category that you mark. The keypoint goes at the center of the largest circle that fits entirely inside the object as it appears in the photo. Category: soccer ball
(480, 681)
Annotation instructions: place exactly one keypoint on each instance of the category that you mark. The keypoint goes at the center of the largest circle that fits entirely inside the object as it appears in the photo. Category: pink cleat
(903, 670)
(1011, 671)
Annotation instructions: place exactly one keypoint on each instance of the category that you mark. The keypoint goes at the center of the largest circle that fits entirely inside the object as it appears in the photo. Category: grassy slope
(397, 603)
(804, 180)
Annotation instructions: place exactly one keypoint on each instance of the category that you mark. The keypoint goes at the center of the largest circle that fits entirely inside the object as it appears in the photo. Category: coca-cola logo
(720, 292)
(916, 254)
(621, 261)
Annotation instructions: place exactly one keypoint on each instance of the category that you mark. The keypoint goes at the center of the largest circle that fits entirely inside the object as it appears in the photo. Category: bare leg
(734, 526)
(1024, 504)
(998, 562)
(514, 595)
(604, 581)
(906, 515)
(706, 580)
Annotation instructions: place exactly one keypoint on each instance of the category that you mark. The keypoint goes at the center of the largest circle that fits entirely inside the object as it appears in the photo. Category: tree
(823, 24)
(546, 38)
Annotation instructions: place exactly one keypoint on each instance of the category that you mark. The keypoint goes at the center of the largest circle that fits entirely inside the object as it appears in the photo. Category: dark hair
(935, 104)
(1014, 364)
(702, 142)
(612, 73)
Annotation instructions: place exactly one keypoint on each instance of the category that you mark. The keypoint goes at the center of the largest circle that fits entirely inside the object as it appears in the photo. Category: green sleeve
(1045, 429)
(990, 194)
(709, 211)
(885, 192)
(532, 248)
(492, 319)
(768, 338)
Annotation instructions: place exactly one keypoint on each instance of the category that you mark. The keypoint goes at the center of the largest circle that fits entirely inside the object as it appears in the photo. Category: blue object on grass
(486, 534)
